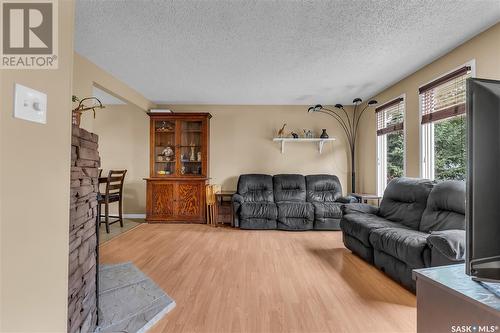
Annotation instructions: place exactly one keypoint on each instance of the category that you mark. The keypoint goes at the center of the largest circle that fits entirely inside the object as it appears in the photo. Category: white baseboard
(134, 216)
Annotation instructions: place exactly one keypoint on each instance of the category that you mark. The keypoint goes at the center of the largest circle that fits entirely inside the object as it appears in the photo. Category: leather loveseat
(288, 202)
(419, 224)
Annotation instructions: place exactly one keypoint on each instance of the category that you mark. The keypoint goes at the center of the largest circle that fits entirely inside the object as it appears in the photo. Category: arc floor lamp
(349, 121)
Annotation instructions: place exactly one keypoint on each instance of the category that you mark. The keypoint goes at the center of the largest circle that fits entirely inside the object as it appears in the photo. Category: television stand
(448, 300)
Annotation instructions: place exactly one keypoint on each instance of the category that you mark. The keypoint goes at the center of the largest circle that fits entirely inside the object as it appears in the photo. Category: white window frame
(426, 131)
(382, 152)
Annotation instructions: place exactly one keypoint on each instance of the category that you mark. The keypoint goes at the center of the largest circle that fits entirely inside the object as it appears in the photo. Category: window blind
(390, 116)
(445, 97)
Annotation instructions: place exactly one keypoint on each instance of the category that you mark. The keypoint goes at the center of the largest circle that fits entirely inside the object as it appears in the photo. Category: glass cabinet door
(165, 159)
(191, 154)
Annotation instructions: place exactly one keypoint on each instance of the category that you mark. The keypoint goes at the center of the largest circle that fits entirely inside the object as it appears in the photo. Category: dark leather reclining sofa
(288, 202)
(419, 224)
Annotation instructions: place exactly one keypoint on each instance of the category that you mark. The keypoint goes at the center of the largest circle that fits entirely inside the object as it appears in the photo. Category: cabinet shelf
(320, 142)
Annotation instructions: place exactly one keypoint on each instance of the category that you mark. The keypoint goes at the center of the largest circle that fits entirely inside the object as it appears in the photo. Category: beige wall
(484, 48)
(124, 144)
(123, 130)
(241, 142)
(34, 212)
(86, 75)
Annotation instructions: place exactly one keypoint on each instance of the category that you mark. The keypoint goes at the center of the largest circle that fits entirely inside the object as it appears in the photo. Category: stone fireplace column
(82, 282)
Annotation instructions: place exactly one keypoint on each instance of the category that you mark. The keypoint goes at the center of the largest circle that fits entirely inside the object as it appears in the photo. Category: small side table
(364, 197)
(224, 207)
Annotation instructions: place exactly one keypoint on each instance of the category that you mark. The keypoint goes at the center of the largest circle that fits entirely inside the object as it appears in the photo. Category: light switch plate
(30, 104)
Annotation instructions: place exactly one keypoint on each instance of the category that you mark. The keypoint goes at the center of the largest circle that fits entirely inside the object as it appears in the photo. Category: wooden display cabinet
(179, 158)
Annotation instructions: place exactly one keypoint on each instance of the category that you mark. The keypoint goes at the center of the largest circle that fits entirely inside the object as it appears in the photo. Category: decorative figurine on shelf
(192, 157)
(165, 127)
(183, 170)
(199, 156)
(281, 132)
(308, 134)
(295, 135)
(324, 135)
(168, 152)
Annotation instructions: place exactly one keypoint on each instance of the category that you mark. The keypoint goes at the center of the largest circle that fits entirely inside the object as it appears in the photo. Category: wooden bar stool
(113, 193)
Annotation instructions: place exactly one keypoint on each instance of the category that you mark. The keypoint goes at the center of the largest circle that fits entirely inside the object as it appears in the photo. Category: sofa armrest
(359, 208)
(237, 200)
(448, 243)
(347, 199)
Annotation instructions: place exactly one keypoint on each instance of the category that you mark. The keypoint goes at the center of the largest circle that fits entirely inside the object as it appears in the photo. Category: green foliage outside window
(450, 149)
(395, 155)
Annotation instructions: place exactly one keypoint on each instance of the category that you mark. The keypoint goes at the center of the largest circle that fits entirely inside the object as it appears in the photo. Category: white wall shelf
(320, 142)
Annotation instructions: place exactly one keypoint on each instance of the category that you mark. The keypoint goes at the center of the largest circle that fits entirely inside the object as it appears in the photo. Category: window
(390, 142)
(443, 132)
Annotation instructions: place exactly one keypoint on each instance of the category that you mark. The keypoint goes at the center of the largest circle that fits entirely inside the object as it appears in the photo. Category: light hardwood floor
(228, 280)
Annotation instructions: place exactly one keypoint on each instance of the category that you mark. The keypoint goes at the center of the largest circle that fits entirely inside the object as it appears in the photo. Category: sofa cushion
(408, 246)
(445, 207)
(360, 225)
(256, 188)
(323, 188)
(404, 200)
(289, 188)
(327, 210)
(295, 215)
(266, 210)
(295, 209)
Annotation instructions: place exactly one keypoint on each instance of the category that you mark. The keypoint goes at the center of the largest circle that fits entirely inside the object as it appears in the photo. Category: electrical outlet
(30, 104)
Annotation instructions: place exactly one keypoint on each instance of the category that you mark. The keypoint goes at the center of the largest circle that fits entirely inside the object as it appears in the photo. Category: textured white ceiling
(271, 52)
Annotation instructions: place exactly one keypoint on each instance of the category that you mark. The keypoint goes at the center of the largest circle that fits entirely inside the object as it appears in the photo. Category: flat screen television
(483, 180)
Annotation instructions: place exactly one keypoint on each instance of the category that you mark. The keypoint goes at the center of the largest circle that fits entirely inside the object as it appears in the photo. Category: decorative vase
(192, 157)
(324, 135)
